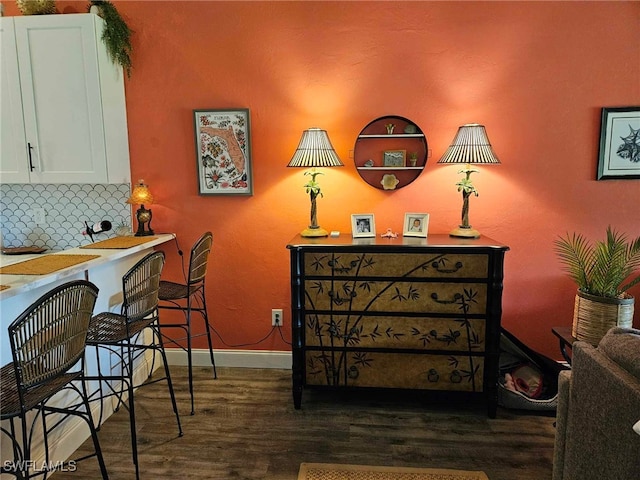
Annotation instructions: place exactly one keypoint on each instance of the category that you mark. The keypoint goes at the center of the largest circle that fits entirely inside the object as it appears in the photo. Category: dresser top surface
(434, 240)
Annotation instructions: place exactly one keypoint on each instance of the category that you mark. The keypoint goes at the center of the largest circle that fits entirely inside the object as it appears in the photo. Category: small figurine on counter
(389, 234)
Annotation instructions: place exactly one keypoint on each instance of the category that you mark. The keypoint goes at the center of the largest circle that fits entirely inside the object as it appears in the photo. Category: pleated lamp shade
(315, 150)
(470, 145)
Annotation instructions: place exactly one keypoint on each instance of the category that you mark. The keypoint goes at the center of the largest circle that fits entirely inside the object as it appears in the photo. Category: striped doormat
(333, 471)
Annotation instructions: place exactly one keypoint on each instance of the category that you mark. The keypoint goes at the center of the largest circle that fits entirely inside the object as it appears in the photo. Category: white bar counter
(19, 284)
(106, 272)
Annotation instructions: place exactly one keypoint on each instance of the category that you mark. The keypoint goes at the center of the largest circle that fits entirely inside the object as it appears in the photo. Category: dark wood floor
(245, 427)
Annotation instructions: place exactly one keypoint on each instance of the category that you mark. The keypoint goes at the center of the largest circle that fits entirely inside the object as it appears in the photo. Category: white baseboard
(232, 358)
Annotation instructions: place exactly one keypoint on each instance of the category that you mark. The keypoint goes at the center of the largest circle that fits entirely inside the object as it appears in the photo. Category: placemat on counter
(120, 242)
(46, 264)
(4, 287)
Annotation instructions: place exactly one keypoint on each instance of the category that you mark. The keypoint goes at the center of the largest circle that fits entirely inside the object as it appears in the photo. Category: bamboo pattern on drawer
(395, 370)
(385, 296)
(345, 316)
(397, 264)
(404, 333)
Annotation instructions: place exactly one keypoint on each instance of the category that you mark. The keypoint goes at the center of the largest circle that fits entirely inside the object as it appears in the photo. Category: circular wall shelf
(390, 152)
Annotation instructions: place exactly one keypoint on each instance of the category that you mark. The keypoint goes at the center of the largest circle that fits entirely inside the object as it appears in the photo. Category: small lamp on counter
(140, 196)
(470, 146)
(315, 150)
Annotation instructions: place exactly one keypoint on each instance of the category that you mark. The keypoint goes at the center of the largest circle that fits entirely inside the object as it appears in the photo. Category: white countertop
(22, 283)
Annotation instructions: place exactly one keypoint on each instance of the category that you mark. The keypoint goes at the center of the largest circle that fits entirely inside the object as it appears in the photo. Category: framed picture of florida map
(223, 152)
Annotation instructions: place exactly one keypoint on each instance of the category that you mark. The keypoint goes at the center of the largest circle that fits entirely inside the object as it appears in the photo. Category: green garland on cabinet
(116, 35)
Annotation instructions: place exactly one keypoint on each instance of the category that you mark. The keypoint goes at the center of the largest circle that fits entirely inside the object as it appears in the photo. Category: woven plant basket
(36, 7)
(593, 316)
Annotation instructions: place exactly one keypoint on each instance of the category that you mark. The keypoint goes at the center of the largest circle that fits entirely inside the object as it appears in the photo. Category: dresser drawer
(423, 265)
(400, 333)
(460, 373)
(395, 296)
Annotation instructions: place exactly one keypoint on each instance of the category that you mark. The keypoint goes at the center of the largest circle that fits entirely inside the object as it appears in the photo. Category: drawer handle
(457, 267)
(456, 298)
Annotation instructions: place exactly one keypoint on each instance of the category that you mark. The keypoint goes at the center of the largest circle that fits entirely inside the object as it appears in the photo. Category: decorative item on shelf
(389, 234)
(116, 34)
(314, 150)
(410, 129)
(413, 159)
(390, 127)
(394, 158)
(470, 146)
(604, 273)
(140, 196)
(36, 7)
(368, 163)
(389, 181)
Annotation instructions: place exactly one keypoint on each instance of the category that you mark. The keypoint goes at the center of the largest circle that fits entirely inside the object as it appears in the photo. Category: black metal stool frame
(119, 334)
(193, 295)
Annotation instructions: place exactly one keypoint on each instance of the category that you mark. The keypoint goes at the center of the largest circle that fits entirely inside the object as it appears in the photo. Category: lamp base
(314, 232)
(464, 232)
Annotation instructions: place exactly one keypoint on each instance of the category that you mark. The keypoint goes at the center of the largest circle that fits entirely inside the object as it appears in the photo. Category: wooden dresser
(404, 313)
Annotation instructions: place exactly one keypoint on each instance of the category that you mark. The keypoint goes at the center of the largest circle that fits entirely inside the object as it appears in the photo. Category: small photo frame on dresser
(416, 225)
(363, 225)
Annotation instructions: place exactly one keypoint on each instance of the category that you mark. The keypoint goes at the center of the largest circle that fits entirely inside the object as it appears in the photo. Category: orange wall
(535, 73)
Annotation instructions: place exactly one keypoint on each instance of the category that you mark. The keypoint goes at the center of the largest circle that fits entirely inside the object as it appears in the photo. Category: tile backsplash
(66, 208)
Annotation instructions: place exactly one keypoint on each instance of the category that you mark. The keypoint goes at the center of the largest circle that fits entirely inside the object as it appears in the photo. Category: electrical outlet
(276, 317)
(38, 214)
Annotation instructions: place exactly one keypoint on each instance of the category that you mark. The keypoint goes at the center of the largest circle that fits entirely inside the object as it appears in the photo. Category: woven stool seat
(172, 291)
(10, 405)
(111, 328)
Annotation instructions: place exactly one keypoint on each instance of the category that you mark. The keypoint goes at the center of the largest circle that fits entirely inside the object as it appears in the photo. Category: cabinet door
(61, 98)
(14, 165)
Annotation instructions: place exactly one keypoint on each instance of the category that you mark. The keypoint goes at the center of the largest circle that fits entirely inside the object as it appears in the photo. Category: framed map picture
(223, 152)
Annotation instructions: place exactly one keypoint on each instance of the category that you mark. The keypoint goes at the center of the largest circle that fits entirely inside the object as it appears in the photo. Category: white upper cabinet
(63, 105)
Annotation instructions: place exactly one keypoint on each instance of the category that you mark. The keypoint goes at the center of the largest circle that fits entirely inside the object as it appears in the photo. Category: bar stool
(48, 349)
(190, 297)
(120, 335)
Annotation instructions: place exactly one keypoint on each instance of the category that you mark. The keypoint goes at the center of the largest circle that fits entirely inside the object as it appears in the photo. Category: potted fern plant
(116, 35)
(604, 272)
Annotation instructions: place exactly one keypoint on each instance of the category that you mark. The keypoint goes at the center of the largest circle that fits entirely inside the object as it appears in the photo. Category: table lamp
(470, 146)
(140, 196)
(314, 150)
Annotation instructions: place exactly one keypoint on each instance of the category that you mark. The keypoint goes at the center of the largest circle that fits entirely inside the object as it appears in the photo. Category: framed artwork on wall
(223, 152)
(619, 154)
(416, 225)
(363, 225)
